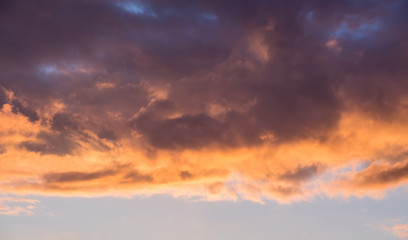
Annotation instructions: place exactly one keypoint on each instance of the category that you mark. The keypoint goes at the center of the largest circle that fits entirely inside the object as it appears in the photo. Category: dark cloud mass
(205, 52)
(162, 76)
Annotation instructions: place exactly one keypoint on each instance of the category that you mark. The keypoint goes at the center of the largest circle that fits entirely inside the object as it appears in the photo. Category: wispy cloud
(400, 230)
(17, 206)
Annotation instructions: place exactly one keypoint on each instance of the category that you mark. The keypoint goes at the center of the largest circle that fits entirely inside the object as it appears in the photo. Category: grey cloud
(63, 122)
(18, 107)
(135, 176)
(3, 98)
(301, 173)
(188, 131)
(392, 175)
(107, 134)
(298, 93)
(51, 143)
(76, 176)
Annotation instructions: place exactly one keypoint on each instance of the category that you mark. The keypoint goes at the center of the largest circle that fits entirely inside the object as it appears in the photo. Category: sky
(203, 119)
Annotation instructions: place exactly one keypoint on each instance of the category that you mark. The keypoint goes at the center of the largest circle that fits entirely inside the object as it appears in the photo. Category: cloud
(302, 173)
(393, 174)
(400, 230)
(184, 132)
(135, 176)
(2, 149)
(51, 143)
(3, 98)
(17, 107)
(107, 134)
(258, 101)
(63, 122)
(75, 176)
(380, 175)
(17, 206)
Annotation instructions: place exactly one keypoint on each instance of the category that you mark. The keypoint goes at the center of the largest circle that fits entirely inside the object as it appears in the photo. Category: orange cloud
(284, 172)
(400, 230)
(333, 44)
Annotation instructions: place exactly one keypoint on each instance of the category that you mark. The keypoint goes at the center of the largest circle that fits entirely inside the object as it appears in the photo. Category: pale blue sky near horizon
(164, 217)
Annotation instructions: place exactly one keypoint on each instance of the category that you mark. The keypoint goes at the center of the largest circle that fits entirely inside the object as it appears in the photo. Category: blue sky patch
(136, 8)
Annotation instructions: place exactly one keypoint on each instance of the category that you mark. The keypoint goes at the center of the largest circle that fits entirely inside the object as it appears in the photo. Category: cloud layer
(255, 100)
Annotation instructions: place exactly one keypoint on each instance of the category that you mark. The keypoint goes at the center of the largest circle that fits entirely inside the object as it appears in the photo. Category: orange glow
(283, 172)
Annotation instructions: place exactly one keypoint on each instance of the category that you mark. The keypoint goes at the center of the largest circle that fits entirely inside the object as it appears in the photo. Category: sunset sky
(203, 119)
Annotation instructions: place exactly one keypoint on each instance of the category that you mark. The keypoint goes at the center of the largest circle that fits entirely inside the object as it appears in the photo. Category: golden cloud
(371, 150)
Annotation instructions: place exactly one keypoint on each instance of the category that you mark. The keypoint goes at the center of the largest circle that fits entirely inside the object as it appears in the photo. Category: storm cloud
(177, 87)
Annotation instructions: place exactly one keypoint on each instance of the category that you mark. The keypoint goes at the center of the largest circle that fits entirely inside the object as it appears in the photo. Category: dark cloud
(297, 110)
(185, 175)
(3, 97)
(2, 149)
(186, 131)
(378, 176)
(263, 65)
(69, 126)
(51, 143)
(63, 122)
(302, 173)
(76, 176)
(135, 176)
(18, 107)
(107, 134)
